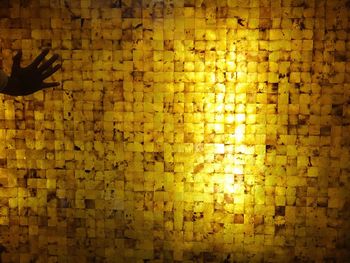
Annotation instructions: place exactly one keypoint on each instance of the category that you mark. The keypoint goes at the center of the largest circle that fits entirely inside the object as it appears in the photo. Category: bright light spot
(229, 186)
(219, 148)
(239, 133)
(240, 118)
(219, 128)
(219, 108)
(230, 118)
(242, 149)
(238, 170)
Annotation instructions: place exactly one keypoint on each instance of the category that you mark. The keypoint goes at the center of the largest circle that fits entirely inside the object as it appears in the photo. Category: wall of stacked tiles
(182, 131)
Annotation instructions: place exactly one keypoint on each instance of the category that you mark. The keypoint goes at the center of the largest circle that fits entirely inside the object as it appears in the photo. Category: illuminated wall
(183, 131)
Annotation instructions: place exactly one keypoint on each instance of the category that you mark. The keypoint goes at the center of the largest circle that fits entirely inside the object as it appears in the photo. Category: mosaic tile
(182, 131)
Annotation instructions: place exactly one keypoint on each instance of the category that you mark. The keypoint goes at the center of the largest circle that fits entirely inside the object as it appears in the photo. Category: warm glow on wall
(183, 131)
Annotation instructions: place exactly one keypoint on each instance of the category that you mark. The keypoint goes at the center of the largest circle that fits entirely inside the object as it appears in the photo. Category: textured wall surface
(183, 131)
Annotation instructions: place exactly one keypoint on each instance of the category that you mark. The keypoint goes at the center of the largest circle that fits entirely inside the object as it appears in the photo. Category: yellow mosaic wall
(183, 131)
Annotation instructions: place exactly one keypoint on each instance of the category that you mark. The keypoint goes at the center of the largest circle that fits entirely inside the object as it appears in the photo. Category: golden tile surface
(182, 131)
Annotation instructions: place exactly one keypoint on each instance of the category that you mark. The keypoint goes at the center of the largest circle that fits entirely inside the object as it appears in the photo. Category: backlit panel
(182, 131)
